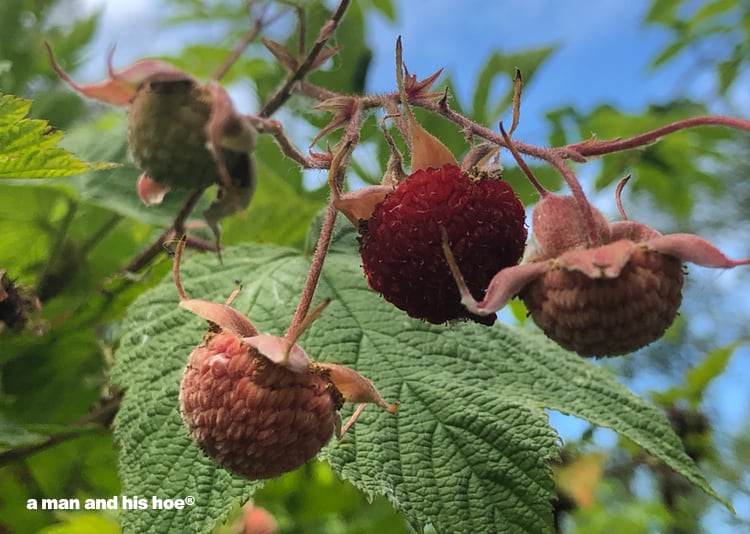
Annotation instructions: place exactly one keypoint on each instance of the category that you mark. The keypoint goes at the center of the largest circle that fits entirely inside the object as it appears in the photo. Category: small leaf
(698, 378)
(28, 147)
(500, 66)
(12, 435)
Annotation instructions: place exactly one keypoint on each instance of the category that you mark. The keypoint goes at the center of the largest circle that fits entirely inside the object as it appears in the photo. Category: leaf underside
(469, 448)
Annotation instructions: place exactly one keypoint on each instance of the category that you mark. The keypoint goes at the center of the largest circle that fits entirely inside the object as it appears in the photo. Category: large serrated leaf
(467, 451)
(29, 147)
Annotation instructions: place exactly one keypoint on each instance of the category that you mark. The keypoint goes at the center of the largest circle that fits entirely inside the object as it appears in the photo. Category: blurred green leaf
(12, 435)
(502, 67)
(662, 11)
(29, 147)
(699, 377)
(83, 523)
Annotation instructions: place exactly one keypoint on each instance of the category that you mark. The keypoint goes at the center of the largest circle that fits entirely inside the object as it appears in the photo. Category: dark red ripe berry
(401, 247)
(252, 416)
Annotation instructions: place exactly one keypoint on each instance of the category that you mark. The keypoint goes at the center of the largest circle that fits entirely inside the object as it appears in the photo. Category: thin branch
(285, 91)
(599, 148)
(177, 228)
(259, 24)
(97, 420)
(99, 234)
(57, 247)
(338, 165)
(275, 129)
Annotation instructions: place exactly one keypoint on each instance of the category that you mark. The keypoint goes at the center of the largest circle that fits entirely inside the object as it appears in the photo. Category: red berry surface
(401, 242)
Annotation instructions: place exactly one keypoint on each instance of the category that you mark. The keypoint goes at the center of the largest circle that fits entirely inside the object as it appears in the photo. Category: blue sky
(603, 49)
(603, 55)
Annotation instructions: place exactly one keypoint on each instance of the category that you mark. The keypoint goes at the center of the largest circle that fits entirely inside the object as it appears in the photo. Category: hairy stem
(338, 165)
(283, 93)
(600, 148)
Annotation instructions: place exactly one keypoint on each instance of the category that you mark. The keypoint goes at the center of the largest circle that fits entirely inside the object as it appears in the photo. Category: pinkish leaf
(634, 231)
(277, 350)
(225, 316)
(121, 86)
(601, 262)
(689, 247)
(151, 192)
(505, 285)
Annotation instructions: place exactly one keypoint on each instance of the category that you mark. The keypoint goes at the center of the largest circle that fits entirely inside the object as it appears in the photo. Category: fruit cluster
(445, 242)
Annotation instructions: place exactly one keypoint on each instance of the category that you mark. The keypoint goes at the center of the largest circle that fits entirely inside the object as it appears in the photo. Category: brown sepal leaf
(341, 107)
(354, 387)
(290, 62)
(359, 205)
(281, 53)
(420, 89)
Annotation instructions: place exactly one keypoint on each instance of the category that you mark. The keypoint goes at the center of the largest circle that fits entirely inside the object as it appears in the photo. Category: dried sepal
(290, 62)
(342, 108)
(354, 387)
(121, 86)
(280, 351)
(427, 151)
(222, 315)
(479, 156)
(359, 205)
(420, 89)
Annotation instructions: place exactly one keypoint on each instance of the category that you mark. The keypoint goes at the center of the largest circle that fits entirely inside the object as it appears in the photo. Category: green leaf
(668, 53)
(115, 188)
(29, 147)
(711, 10)
(468, 449)
(698, 378)
(12, 435)
(713, 365)
(503, 66)
(662, 11)
(729, 69)
(83, 523)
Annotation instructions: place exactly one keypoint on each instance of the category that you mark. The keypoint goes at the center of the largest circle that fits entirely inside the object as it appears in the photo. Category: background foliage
(72, 237)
